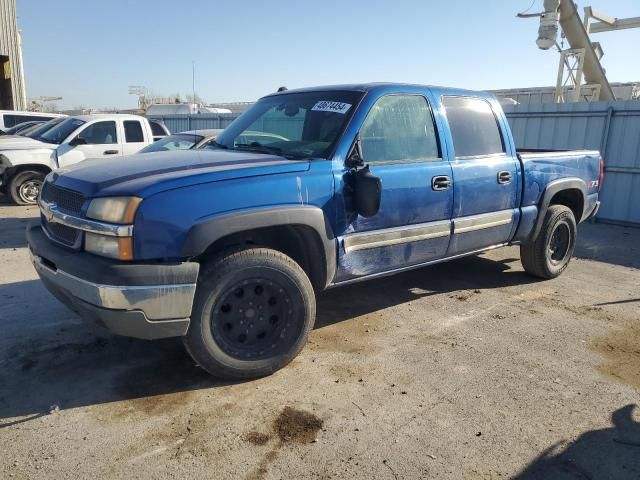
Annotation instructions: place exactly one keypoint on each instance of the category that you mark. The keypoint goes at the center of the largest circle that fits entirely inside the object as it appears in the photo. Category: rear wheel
(549, 255)
(24, 187)
(252, 314)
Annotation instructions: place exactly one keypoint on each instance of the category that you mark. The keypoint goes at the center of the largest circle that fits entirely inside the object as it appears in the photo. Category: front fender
(208, 231)
(37, 156)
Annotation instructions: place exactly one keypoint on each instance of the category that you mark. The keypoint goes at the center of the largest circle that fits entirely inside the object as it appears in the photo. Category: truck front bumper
(149, 300)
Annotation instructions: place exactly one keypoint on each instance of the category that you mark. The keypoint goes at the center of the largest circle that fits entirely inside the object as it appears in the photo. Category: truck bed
(543, 167)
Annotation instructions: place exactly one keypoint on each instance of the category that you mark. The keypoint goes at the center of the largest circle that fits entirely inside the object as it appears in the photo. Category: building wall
(10, 46)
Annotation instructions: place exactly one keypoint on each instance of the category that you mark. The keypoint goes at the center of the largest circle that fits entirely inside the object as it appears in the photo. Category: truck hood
(148, 173)
(16, 142)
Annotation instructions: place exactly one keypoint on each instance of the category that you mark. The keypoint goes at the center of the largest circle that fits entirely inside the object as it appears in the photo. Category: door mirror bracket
(354, 159)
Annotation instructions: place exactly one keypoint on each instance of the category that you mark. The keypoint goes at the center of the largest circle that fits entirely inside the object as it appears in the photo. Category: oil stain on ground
(293, 425)
(621, 348)
(256, 438)
(290, 426)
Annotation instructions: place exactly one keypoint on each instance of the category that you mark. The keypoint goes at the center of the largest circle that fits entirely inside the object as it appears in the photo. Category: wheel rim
(252, 319)
(29, 191)
(559, 243)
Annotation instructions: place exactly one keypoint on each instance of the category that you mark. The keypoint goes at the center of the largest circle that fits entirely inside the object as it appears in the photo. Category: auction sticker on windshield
(329, 106)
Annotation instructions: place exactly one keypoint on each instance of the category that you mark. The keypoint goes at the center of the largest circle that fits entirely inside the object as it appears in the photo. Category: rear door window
(474, 127)
(133, 131)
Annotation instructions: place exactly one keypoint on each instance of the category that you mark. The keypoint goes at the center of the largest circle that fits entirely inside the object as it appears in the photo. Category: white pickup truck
(23, 166)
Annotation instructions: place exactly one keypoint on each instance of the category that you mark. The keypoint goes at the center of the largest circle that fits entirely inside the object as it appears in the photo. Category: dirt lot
(466, 370)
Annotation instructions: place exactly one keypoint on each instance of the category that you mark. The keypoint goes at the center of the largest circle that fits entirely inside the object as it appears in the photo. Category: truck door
(486, 176)
(97, 140)
(400, 142)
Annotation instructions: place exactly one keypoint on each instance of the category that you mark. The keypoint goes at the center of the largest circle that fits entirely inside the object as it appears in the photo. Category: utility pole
(193, 83)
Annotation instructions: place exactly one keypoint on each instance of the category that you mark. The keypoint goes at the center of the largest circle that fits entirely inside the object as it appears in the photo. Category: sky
(89, 52)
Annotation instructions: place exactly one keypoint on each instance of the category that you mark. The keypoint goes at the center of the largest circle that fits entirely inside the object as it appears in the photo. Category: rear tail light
(601, 177)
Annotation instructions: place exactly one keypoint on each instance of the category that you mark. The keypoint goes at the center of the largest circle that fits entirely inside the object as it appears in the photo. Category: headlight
(120, 248)
(114, 209)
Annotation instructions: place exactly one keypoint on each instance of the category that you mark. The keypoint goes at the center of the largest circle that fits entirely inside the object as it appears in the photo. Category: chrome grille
(67, 200)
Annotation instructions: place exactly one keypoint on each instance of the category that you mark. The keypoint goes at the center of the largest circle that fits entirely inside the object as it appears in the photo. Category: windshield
(25, 131)
(294, 125)
(19, 128)
(179, 141)
(61, 131)
(44, 127)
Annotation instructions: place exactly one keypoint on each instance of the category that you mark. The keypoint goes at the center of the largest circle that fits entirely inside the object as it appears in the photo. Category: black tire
(24, 187)
(549, 255)
(252, 314)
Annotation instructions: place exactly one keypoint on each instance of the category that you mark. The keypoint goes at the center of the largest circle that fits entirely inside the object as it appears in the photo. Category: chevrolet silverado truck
(226, 247)
(24, 164)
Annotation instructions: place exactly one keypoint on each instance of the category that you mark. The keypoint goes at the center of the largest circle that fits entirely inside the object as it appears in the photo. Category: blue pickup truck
(226, 246)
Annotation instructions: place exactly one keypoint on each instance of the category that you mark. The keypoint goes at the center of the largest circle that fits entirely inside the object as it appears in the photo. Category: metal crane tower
(582, 60)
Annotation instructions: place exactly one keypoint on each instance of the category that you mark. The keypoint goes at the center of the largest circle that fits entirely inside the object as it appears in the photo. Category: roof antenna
(282, 89)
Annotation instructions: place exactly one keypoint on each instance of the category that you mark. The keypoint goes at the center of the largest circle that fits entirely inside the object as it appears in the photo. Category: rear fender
(552, 189)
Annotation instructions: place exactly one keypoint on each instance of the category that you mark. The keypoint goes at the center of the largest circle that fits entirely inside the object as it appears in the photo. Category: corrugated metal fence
(182, 123)
(611, 127)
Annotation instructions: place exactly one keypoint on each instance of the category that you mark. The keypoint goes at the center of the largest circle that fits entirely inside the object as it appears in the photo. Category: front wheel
(24, 187)
(252, 314)
(549, 255)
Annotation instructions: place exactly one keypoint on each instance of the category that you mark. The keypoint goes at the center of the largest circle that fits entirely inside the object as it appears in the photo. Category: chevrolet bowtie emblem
(47, 211)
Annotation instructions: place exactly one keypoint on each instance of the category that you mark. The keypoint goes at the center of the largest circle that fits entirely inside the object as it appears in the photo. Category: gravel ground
(465, 370)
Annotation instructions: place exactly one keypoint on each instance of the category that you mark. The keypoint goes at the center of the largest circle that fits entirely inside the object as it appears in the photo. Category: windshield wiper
(258, 147)
(219, 145)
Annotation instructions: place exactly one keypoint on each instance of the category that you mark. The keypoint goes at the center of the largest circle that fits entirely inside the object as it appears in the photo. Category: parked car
(23, 165)
(22, 127)
(247, 138)
(183, 141)
(11, 118)
(227, 248)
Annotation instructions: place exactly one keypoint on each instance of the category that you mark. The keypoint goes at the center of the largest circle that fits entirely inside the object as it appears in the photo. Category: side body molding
(549, 192)
(209, 230)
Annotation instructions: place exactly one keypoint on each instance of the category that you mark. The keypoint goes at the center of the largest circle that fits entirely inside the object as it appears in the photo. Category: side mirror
(367, 192)
(77, 141)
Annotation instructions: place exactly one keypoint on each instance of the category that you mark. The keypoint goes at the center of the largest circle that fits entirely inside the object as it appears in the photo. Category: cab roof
(107, 116)
(376, 87)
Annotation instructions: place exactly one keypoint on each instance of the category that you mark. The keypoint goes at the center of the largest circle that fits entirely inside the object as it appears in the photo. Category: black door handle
(110, 152)
(504, 178)
(440, 182)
